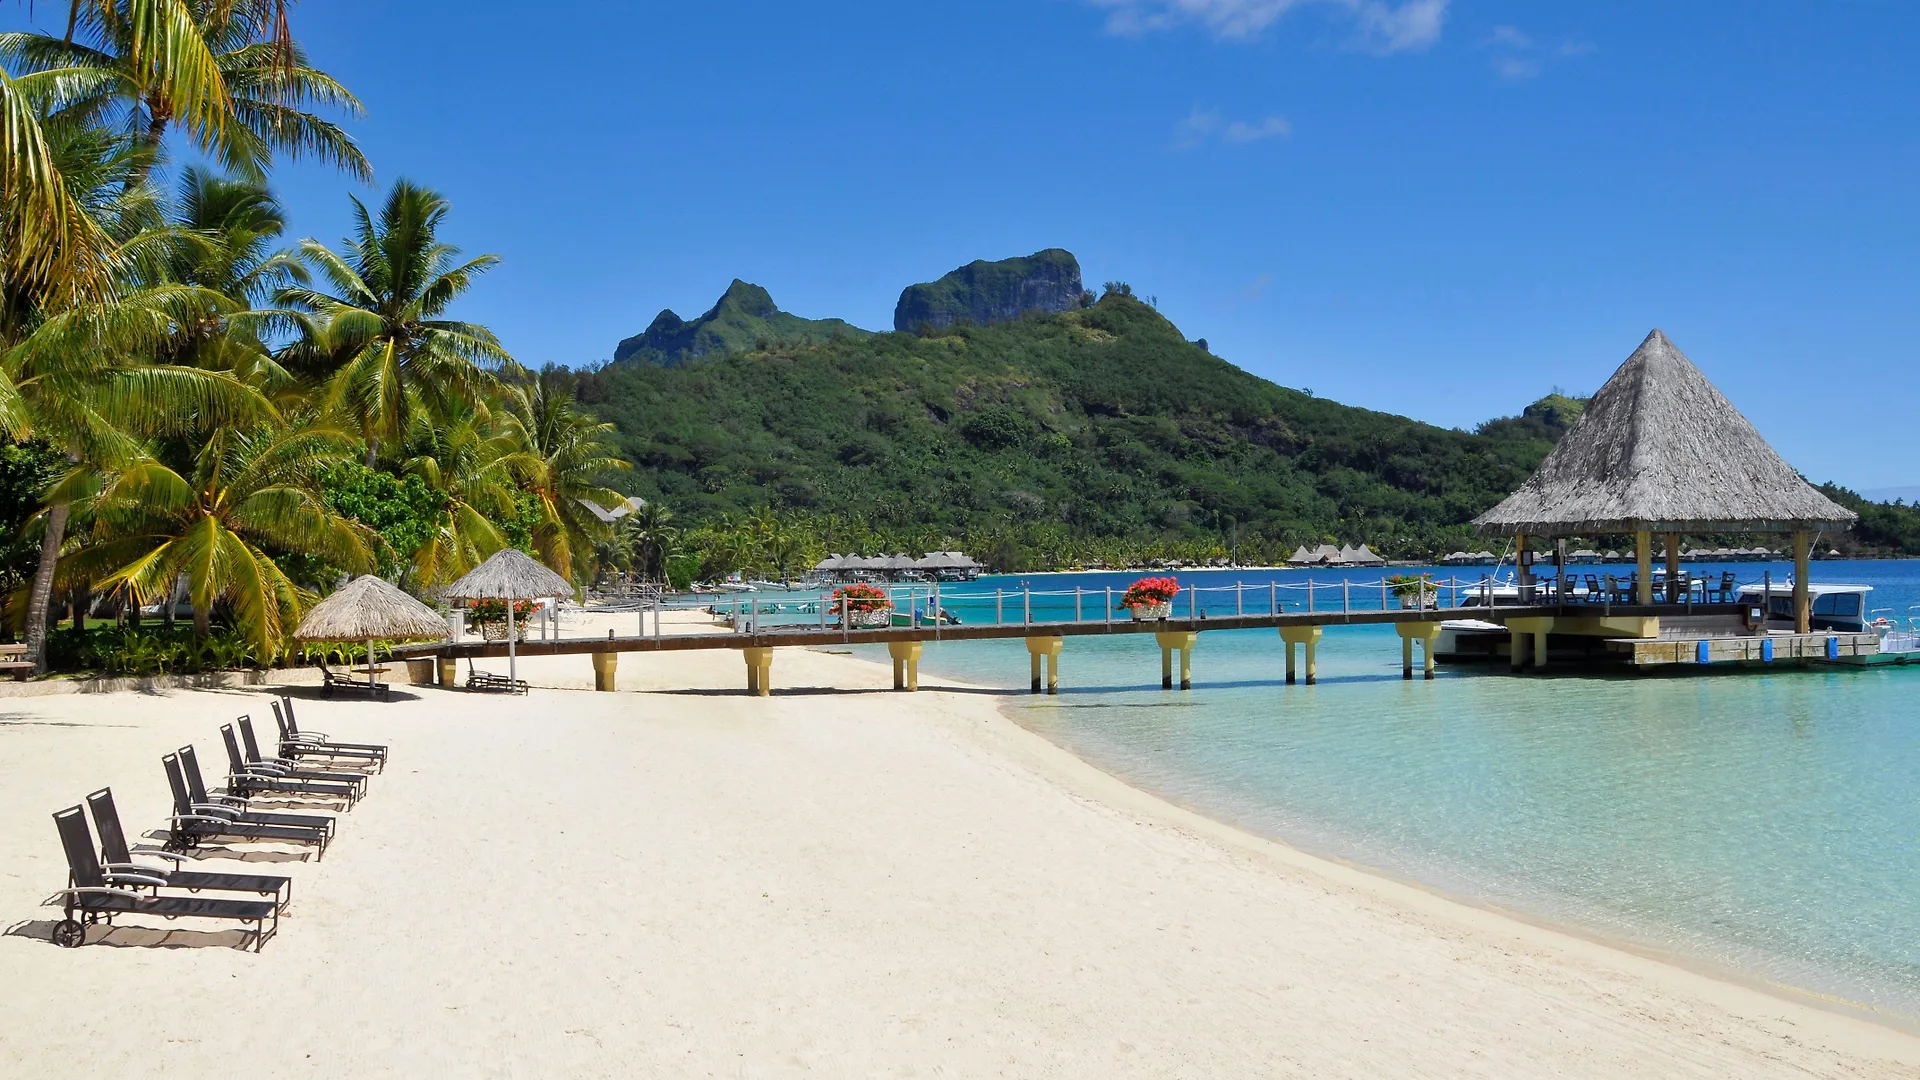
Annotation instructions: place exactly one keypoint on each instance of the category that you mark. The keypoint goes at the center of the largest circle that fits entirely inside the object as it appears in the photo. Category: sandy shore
(846, 884)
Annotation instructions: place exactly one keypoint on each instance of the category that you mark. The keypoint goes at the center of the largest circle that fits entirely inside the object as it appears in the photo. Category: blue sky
(1437, 208)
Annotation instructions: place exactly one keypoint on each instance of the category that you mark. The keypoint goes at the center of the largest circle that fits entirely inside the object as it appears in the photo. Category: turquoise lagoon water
(1764, 823)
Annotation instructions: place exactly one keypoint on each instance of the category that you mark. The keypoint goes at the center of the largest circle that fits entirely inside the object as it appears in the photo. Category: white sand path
(851, 884)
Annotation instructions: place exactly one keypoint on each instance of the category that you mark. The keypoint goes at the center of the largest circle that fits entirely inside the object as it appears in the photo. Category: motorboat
(1841, 608)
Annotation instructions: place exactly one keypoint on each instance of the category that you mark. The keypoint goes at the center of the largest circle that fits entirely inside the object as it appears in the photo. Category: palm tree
(651, 536)
(465, 457)
(228, 229)
(77, 348)
(383, 318)
(563, 458)
(249, 492)
(224, 70)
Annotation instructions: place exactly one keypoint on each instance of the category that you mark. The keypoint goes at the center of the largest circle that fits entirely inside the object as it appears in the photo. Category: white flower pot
(1145, 612)
(876, 619)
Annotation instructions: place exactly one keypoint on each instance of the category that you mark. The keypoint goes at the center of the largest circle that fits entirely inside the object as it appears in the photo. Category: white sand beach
(853, 883)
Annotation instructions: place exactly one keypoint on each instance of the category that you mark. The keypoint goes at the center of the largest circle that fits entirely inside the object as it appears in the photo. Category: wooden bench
(13, 661)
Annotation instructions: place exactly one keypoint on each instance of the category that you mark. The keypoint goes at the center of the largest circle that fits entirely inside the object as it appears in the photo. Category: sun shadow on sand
(138, 937)
(252, 855)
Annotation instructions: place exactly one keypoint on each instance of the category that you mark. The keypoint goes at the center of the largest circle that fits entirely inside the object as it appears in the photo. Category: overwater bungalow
(1660, 453)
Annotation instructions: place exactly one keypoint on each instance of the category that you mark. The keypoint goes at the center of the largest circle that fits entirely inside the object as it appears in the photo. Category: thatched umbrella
(509, 575)
(368, 608)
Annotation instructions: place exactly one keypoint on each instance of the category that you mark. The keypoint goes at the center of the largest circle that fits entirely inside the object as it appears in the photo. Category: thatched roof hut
(510, 574)
(366, 609)
(1660, 450)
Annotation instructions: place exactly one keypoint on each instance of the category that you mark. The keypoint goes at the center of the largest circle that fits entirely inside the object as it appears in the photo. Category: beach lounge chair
(1729, 589)
(116, 857)
(95, 895)
(226, 800)
(294, 769)
(246, 780)
(193, 821)
(295, 742)
(1594, 595)
(331, 680)
(487, 680)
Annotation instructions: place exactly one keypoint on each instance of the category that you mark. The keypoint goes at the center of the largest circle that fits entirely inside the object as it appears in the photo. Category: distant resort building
(1328, 555)
(933, 566)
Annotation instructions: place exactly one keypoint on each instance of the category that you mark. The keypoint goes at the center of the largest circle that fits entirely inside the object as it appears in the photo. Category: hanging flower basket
(1150, 598)
(867, 607)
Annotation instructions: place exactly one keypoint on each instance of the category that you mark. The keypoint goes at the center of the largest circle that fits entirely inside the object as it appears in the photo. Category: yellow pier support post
(906, 664)
(1308, 636)
(1180, 641)
(1643, 556)
(604, 664)
(449, 670)
(1428, 635)
(1529, 641)
(1044, 652)
(759, 669)
(1802, 614)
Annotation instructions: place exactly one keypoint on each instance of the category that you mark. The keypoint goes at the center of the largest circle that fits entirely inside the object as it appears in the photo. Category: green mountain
(1101, 423)
(983, 292)
(744, 318)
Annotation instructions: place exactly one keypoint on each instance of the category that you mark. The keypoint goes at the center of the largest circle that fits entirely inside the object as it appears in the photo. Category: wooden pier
(1629, 634)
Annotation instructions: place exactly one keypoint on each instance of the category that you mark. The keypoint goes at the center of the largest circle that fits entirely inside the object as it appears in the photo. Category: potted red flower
(490, 618)
(1151, 597)
(867, 606)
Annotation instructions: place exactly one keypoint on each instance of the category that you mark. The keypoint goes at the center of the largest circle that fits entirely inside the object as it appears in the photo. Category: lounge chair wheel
(69, 934)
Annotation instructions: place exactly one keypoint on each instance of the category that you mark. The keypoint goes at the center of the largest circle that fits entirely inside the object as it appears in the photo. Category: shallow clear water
(1763, 822)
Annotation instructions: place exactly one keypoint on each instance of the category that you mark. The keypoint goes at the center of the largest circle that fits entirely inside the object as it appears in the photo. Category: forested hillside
(1098, 428)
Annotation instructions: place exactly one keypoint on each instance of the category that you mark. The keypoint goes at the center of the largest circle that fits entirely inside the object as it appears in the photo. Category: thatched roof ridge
(1661, 449)
(509, 574)
(367, 608)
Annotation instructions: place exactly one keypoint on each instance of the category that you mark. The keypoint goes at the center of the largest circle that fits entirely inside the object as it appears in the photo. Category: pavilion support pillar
(1802, 612)
(1522, 570)
(759, 669)
(1673, 568)
(1643, 556)
(449, 670)
(906, 664)
(1043, 653)
(604, 664)
(1428, 635)
(1180, 641)
(1308, 637)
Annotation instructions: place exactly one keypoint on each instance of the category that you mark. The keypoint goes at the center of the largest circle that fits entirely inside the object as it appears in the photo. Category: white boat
(1841, 608)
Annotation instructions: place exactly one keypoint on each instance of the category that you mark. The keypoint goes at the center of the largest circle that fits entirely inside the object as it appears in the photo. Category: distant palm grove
(201, 414)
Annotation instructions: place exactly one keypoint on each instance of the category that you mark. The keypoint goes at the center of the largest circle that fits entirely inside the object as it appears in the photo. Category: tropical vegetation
(197, 414)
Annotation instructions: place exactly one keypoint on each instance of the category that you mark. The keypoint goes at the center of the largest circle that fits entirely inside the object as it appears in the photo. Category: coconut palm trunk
(42, 596)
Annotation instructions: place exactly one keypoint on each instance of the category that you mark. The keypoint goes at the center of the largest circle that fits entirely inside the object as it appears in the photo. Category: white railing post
(999, 606)
(1239, 598)
(1346, 596)
(1273, 597)
(1076, 603)
(1026, 605)
(1109, 608)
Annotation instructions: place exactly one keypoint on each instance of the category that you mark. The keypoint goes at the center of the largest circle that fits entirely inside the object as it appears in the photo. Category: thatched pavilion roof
(510, 574)
(1660, 449)
(367, 608)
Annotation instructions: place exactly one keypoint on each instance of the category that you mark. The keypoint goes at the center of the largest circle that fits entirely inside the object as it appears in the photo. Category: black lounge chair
(194, 822)
(97, 895)
(246, 781)
(297, 743)
(116, 857)
(487, 680)
(331, 680)
(293, 768)
(228, 801)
